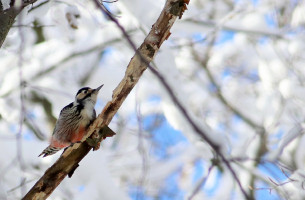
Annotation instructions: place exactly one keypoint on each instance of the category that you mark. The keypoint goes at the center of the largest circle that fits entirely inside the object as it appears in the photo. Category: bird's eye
(85, 91)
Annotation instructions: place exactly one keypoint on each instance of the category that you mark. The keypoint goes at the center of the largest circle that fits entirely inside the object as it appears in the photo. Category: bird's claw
(96, 138)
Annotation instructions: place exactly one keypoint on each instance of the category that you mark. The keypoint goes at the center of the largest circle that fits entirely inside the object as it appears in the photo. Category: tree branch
(69, 160)
(210, 23)
(220, 96)
(176, 9)
(7, 18)
(76, 54)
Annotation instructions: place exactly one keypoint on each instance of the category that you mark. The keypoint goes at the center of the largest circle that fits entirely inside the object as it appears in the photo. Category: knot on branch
(151, 50)
(178, 7)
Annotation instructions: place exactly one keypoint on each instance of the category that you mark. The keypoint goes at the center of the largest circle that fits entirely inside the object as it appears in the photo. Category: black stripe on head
(83, 94)
(82, 89)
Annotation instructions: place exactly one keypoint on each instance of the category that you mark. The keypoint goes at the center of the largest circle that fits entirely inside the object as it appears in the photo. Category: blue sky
(165, 136)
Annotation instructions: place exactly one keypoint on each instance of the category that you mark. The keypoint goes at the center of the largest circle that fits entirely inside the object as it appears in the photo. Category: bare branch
(268, 33)
(220, 96)
(7, 18)
(176, 8)
(69, 160)
(178, 12)
(201, 183)
(93, 49)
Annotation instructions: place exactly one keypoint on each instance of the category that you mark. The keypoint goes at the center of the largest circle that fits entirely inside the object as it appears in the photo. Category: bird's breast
(87, 115)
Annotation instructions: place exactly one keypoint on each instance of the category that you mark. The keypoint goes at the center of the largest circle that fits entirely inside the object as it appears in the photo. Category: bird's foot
(95, 140)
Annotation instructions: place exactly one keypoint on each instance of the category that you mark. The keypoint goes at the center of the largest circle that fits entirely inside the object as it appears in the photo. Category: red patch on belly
(78, 136)
(55, 143)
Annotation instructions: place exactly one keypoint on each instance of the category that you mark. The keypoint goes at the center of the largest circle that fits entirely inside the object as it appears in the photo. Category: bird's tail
(50, 150)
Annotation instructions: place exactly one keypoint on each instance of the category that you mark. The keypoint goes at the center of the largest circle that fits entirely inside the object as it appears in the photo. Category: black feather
(79, 107)
(82, 89)
(67, 107)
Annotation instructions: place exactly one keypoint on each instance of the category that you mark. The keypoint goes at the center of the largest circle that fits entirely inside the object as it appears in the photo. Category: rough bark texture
(69, 160)
(8, 16)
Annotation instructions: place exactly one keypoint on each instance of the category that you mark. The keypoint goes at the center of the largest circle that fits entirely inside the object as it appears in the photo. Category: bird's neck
(86, 104)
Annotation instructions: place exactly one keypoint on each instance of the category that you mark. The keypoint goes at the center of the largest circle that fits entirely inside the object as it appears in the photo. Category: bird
(73, 121)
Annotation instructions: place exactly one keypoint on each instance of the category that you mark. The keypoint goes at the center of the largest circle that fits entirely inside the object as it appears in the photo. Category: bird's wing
(66, 122)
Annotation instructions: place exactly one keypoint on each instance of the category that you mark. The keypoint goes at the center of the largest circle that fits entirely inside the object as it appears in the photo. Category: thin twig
(220, 96)
(110, 1)
(31, 26)
(19, 139)
(210, 23)
(141, 148)
(201, 183)
(281, 184)
(20, 185)
(68, 58)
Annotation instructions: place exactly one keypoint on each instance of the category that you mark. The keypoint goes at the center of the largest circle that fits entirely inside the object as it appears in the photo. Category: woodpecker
(74, 120)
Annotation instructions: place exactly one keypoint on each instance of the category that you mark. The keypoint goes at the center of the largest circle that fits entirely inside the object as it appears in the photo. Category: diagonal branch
(177, 8)
(69, 160)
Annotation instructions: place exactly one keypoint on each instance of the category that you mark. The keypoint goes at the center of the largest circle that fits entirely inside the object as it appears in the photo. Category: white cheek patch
(81, 96)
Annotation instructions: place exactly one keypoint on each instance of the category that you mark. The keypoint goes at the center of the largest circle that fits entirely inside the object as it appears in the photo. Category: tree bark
(8, 16)
(69, 160)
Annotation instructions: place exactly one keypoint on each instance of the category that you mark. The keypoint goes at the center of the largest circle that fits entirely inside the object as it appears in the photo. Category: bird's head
(87, 94)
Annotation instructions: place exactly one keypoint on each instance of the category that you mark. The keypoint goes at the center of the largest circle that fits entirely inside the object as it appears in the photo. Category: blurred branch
(141, 150)
(203, 63)
(276, 185)
(260, 151)
(73, 55)
(20, 185)
(177, 8)
(259, 176)
(7, 17)
(19, 141)
(69, 160)
(34, 128)
(261, 148)
(39, 5)
(201, 183)
(210, 23)
(39, 32)
(47, 106)
(91, 70)
(289, 61)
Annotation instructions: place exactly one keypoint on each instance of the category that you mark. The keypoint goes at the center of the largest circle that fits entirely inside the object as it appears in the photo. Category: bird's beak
(98, 88)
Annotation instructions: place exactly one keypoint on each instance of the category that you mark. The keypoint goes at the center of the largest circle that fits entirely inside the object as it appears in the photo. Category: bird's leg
(93, 139)
(96, 138)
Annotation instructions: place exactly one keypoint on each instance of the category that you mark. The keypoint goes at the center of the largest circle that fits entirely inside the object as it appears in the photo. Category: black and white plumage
(73, 121)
